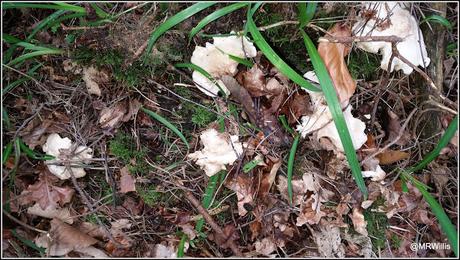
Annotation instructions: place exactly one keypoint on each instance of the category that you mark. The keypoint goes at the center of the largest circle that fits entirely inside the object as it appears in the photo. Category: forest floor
(132, 187)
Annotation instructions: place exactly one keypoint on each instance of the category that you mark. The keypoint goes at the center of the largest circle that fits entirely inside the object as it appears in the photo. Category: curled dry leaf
(392, 19)
(122, 111)
(329, 241)
(392, 156)
(219, 149)
(394, 126)
(45, 193)
(214, 59)
(65, 239)
(266, 246)
(51, 211)
(254, 81)
(127, 181)
(120, 224)
(244, 192)
(333, 55)
(93, 78)
(61, 148)
(359, 223)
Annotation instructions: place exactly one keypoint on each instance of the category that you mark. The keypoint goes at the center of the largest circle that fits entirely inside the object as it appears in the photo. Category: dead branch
(348, 39)
(219, 232)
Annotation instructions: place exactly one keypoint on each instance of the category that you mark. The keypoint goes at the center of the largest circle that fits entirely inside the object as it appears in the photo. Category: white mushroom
(321, 121)
(219, 150)
(60, 148)
(399, 23)
(214, 59)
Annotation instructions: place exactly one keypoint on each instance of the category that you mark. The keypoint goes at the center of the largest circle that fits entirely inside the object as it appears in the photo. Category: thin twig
(23, 224)
(212, 223)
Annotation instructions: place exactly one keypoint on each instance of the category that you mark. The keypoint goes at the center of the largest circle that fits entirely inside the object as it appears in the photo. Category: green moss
(202, 117)
(149, 195)
(363, 65)
(123, 146)
(395, 241)
(377, 224)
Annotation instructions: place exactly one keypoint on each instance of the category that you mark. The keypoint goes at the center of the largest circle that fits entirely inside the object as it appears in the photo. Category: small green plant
(149, 195)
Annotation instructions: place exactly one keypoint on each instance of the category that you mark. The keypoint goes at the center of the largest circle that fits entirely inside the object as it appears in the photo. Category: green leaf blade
(336, 112)
(276, 60)
(214, 16)
(167, 124)
(174, 20)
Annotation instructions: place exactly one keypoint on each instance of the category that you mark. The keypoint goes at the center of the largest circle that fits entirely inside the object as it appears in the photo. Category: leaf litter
(140, 209)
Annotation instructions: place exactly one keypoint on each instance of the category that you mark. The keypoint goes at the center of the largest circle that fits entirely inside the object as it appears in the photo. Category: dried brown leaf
(127, 181)
(122, 111)
(392, 156)
(394, 126)
(266, 246)
(93, 78)
(65, 239)
(359, 223)
(45, 193)
(333, 56)
(51, 212)
(254, 81)
(244, 192)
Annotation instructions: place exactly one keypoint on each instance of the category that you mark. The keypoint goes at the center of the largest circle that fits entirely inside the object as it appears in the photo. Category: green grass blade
(32, 154)
(19, 81)
(444, 221)
(438, 19)
(271, 55)
(445, 139)
(245, 62)
(57, 6)
(174, 20)
(208, 195)
(58, 21)
(306, 12)
(214, 16)
(99, 11)
(336, 111)
(44, 23)
(7, 152)
(251, 165)
(5, 118)
(29, 243)
(181, 246)
(285, 124)
(34, 54)
(167, 124)
(203, 72)
(291, 166)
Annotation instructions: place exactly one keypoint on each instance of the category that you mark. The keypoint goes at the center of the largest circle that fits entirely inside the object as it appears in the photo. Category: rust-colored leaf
(391, 156)
(127, 182)
(333, 56)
